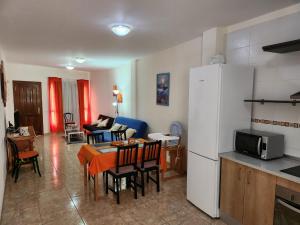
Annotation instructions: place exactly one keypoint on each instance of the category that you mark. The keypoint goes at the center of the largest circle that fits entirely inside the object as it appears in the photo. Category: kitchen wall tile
(287, 112)
(265, 111)
(275, 31)
(238, 39)
(277, 76)
(239, 56)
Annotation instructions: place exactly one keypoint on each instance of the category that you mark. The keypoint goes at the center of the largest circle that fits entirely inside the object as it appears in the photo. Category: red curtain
(55, 104)
(84, 101)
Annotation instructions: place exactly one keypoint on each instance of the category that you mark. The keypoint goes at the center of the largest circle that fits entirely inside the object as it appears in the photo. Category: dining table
(98, 158)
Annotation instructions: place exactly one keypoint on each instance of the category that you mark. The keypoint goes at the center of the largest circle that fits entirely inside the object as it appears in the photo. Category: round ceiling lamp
(80, 60)
(70, 67)
(121, 29)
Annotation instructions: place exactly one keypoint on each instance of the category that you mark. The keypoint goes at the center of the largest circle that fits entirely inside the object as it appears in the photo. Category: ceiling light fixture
(121, 29)
(80, 60)
(70, 67)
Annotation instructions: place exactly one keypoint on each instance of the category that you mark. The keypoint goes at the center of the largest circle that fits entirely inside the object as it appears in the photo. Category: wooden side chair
(119, 135)
(68, 120)
(125, 168)
(150, 162)
(23, 157)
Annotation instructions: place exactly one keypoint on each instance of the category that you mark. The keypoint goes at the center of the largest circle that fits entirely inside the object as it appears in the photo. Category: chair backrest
(96, 138)
(68, 117)
(151, 152)
(176, 129)
(118, 135)
(127, 156)
(14, 148)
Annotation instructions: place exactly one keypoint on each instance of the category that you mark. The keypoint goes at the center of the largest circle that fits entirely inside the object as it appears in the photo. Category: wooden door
(259, 198)
(232, 189)
(28, 101)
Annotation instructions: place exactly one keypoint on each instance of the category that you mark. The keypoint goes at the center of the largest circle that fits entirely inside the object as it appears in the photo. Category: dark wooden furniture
(23, 157)
(28, 101)
(118, 135)
(126, 163)
(247, 195)
(150, 162)
(94, 138)
(24, 143)
(68, 119)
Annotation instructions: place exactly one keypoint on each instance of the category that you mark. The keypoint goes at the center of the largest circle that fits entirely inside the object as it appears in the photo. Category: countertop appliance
(287, 207)
(259, 144)
(216, 110)
(294, 171)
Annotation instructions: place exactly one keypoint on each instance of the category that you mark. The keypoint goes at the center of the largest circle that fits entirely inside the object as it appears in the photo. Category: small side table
(75, 136)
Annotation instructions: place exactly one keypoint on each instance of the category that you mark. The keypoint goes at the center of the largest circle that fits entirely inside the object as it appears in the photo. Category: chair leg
(135, 186)
(103, 178)
(33, 164)
(14, 169)
(118, 191)
(128, 181)
(37, 166)
(157, 181)
(143, 183)
(148, 176)
(17, 173)
(106, 183)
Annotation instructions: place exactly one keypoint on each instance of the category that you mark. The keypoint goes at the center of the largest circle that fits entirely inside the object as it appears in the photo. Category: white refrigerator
(216, 110)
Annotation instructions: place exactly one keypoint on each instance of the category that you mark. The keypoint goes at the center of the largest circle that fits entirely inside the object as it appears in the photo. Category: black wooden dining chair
(118, 135)
(150, 162)
(125, 168)
(94, 138)
(23, 157)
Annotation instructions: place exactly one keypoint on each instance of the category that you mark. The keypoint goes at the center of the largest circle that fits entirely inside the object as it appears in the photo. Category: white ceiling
(53, 32)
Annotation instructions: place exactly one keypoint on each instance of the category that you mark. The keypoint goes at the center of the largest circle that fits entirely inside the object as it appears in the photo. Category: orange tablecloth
(99, 162)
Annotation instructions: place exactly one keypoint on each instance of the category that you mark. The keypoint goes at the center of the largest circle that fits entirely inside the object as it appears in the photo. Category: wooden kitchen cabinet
(247, 195)
(259, 198)
(232, 189)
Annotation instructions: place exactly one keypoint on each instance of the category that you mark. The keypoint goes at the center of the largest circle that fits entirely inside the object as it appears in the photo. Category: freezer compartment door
(203, 183)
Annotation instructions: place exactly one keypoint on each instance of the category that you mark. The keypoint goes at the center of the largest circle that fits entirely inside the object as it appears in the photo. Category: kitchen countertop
(272, 166)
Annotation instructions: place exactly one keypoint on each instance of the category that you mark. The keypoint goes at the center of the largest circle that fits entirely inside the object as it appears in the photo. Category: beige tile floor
(60, 198)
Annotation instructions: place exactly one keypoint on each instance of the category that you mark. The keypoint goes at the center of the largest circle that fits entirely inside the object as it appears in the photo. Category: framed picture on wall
(3, 84)
(162, 89)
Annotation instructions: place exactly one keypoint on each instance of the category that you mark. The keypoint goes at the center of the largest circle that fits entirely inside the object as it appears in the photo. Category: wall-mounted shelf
(263, 101)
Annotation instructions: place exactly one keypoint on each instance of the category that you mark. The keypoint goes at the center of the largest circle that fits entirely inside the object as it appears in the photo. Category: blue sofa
(140, 126)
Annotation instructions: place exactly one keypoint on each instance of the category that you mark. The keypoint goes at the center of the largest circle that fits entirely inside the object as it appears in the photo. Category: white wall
(2, 148)
(39, 74)
(277, 76)
(101, 91)
(178, 61)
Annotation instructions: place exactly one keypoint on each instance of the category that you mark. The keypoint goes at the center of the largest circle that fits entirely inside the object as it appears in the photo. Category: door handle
(288, 206)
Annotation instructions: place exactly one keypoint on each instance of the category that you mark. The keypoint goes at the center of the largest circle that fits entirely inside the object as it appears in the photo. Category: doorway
(28, 101)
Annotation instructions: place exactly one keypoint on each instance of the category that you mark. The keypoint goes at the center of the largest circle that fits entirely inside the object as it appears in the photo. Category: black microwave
(259, 144)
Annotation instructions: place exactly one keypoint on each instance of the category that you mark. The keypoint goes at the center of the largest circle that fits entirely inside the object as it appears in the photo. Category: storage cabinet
(247, 195)
(232, 189)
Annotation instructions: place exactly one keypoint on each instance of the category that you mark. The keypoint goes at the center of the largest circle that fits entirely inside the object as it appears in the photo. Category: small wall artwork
(162, 89)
